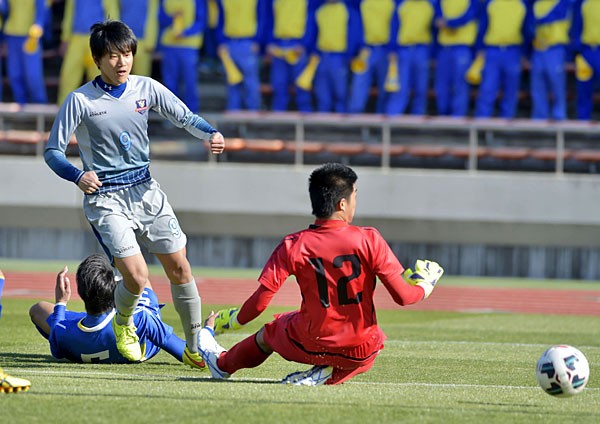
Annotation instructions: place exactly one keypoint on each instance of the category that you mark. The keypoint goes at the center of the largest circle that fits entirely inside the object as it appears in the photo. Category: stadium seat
(23, 137)
(587, 155)
(426, 150)
(509, 153)
(264, 145)
(308, 147)
(549, 154)
(345, 148)
(377, 149)
(463, 152)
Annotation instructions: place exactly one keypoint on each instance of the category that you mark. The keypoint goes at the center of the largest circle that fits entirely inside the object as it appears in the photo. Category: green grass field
(436, 367)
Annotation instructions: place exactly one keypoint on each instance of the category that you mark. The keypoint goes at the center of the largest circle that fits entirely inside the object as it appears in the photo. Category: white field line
(166, 377)
(466, 342)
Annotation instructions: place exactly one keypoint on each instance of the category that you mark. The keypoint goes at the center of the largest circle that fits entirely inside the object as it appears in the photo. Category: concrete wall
(235, 213)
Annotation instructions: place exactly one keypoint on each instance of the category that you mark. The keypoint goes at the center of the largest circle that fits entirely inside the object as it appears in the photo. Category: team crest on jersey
(141, 106)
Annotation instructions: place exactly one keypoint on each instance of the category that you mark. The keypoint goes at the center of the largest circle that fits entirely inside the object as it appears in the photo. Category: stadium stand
(366, 139)
(370, 140)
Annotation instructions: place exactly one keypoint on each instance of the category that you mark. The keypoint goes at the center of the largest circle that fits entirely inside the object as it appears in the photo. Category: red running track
(40, 286)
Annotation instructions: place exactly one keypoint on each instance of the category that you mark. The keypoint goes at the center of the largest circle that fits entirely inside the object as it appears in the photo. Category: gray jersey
(112, 133)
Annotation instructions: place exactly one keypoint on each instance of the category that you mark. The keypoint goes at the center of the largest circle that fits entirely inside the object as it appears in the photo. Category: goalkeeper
(335, 265)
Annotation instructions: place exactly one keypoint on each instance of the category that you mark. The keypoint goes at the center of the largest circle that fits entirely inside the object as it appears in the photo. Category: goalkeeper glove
(426, 274)
(227, 320)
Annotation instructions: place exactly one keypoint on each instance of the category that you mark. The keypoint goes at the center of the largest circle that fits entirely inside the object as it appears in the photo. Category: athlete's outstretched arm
(402, 292)
(234, 318)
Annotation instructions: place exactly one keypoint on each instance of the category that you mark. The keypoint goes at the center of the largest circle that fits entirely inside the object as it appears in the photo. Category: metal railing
(297, 125)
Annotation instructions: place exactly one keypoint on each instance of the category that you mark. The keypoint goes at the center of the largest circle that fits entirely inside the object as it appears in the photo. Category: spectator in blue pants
(456, 21)
(241, 34)
(182, 27)
(336, 44)
(3, 10)
(372, 63)
(142, 17)
(585, 39)
(548, 76)
(504, 34)
(412, 37)
(23, 30)
(291, 32)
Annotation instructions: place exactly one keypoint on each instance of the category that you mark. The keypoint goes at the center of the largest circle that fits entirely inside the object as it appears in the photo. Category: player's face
(115, 67)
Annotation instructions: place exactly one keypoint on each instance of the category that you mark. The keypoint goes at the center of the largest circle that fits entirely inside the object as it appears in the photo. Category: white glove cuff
(427, 287)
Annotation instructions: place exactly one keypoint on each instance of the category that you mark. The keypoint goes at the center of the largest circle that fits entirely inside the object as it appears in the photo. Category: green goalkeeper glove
(227, 320)
(426, 274)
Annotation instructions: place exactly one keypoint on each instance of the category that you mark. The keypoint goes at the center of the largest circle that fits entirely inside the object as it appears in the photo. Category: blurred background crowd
(483, 58)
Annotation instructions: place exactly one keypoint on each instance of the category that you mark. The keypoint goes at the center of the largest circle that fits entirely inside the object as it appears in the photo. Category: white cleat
(316, 376)
(210, 351)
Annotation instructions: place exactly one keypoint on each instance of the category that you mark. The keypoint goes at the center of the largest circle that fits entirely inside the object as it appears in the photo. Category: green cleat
(193, 359)
(10, 384)
(128, 341)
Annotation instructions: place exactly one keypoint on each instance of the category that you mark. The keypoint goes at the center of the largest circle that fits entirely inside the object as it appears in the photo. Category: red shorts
(344, 366)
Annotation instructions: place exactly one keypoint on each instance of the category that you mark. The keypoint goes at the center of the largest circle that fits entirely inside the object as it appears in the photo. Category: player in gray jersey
(123, 203)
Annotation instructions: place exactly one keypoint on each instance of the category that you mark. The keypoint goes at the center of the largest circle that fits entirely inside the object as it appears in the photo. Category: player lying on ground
(88, 336)
(335, 265)
(9, 384)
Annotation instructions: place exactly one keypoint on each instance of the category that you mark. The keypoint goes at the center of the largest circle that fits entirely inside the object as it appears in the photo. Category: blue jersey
(80, 337)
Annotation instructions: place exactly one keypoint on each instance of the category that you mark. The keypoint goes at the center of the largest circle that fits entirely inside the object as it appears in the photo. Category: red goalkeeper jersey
(336, 265)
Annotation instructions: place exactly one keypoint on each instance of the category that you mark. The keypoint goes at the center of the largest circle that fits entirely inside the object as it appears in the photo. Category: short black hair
(96, 284)
(327, 185)
(111, 36)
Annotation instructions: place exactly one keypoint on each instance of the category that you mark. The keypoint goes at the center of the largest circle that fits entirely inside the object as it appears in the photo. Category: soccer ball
(562, 371)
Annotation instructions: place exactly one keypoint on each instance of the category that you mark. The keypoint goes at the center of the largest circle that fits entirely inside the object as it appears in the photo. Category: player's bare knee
(33, 311)
(38, 313)
(180, 273)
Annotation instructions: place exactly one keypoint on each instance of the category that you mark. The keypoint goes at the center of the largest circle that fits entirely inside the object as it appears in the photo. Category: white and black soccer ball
(562, 371)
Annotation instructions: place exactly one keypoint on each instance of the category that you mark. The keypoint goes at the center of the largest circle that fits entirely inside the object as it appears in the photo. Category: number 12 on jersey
(341, 284)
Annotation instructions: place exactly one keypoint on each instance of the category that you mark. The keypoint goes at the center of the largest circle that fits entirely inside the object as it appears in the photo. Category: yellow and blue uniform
(142, 17)
(23, 30)
(551, 38)
(209, 46)
(375, 32)
(585, 40)
(3, 10)
(455, 42)
(241, 34)
(412, 38)
(336, 43)
(79, 16)
(291, 29)
(505, 31)
(182, 24)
